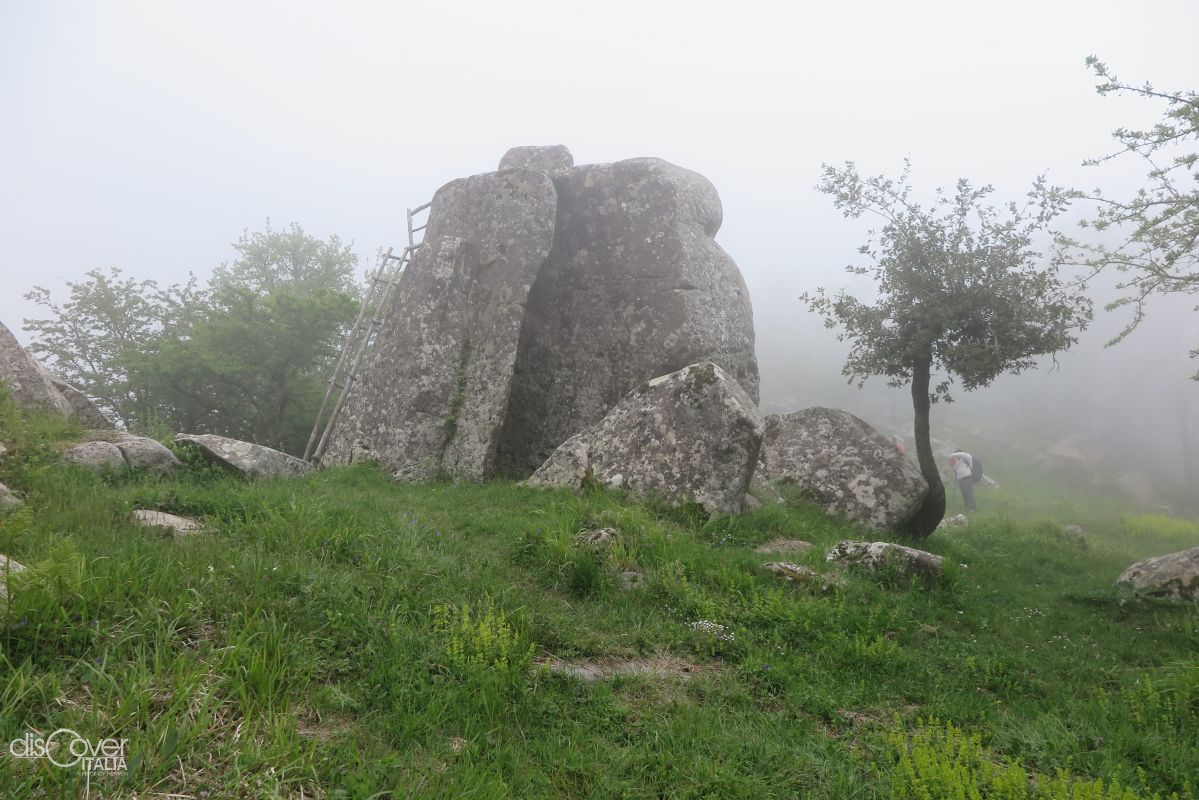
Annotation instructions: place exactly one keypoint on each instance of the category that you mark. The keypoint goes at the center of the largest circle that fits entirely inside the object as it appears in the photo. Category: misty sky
(148, 135)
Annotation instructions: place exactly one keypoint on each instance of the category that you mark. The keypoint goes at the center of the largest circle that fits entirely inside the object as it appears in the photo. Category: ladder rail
(359, 338)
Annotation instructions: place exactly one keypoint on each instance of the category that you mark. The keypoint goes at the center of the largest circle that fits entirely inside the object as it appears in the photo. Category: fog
(150, 135)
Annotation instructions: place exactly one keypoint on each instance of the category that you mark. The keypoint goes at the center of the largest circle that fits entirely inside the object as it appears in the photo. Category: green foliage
(940, 762)
(481, 641)
(246, 357)
(1159, 224)
(30, 439)
(961, 286)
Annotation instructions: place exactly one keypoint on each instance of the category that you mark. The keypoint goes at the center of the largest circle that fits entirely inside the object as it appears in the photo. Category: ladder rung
(393, 257)
(421, 228)
(419, 209)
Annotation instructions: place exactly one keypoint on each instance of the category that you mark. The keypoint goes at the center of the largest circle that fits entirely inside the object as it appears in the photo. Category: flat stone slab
(161, 519)
(792, 572)
(661, 666)
(251, 460)
(878, 556)
(784, 546)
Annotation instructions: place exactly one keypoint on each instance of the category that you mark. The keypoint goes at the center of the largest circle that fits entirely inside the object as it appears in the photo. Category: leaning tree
(962, 293)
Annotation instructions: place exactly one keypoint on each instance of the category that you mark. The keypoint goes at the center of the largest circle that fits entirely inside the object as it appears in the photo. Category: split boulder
(1173, 577)
(690, 436)
(35, 388)
(250, 460)
(844, 465)
(95, 455)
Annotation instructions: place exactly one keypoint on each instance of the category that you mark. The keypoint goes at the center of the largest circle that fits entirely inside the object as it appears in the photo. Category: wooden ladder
(380, 288)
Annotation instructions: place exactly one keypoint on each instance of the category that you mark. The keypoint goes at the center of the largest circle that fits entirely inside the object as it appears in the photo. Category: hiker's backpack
(976, 469)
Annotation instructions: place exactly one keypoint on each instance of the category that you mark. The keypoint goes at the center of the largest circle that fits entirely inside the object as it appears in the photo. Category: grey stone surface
(171, 522)
(690, 436)
(844, 465)
(792, 572)
(251, 460)
(599, 538)
(95, 455)
(552, 159)
(140, 452)
(8, 566)
(1172, 577)
(8, 498)
(434, 392)
(784, 545)
(634, 287)
(82, 409)
(27, 381)
(876, 556)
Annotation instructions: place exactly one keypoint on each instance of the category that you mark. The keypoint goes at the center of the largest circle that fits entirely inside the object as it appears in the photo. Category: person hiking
(962, 464)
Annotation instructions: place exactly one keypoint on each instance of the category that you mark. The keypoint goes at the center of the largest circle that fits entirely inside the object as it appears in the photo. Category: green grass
(343, 636)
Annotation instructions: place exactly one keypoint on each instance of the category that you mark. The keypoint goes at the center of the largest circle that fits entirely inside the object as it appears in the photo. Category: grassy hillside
(341, 636)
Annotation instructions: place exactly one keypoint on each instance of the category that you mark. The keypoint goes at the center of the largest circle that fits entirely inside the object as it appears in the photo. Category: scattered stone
(631, 579)
(956, 521)
(95, 455)
(433, 394)
(690, 436)
(784, 546)
(8, 566)
(876, 556)
(251, 460)
(597, 538)
(1136, 486)
(844, 465)
(140, 452)
(8, 498)
(634, 287)
(792, 572)
(661, 666)
(553, 160)
(1074, 534)
(1173, 577)
(161, 519)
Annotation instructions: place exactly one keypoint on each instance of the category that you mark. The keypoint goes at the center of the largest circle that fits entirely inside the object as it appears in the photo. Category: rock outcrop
(542, 294)
(245, 458)
(690, 436)
(1172, 577)
(844, 465)
(635, 287)
(434, 393)
(35, 388)
(908, 562)
(116, 449)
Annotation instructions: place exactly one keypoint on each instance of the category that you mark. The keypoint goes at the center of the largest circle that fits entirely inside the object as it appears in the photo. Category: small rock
(95, 455)
(161, 519)
(597, 538)
(784, 546)
(631, 579)
(956, 521)
(1073, 534)
(7, 567)
(875, 556)
(1171, 577)
(3, 450)
(251, 460)
(8, 498)
(792, 572)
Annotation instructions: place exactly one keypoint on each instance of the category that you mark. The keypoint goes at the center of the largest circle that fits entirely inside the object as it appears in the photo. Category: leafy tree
(1158, 226)
(107, 318)
(960, 290)
(247, 357)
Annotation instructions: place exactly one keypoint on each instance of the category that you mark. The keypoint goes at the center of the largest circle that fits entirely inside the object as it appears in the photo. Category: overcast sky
(148, 135)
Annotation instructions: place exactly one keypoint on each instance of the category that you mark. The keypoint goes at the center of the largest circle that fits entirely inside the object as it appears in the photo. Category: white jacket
(962, 464)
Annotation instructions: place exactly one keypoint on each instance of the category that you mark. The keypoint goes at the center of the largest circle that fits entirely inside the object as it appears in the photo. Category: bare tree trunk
(930, 514)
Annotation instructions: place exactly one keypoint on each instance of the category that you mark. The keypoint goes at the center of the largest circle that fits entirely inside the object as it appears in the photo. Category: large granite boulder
(1172, 577)
(116, 449)
(552, 159)
(250, 460)
(35, 388)
(95, 455)
(434, 392)
(634, 287)
(844, 465)
(690, 436)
